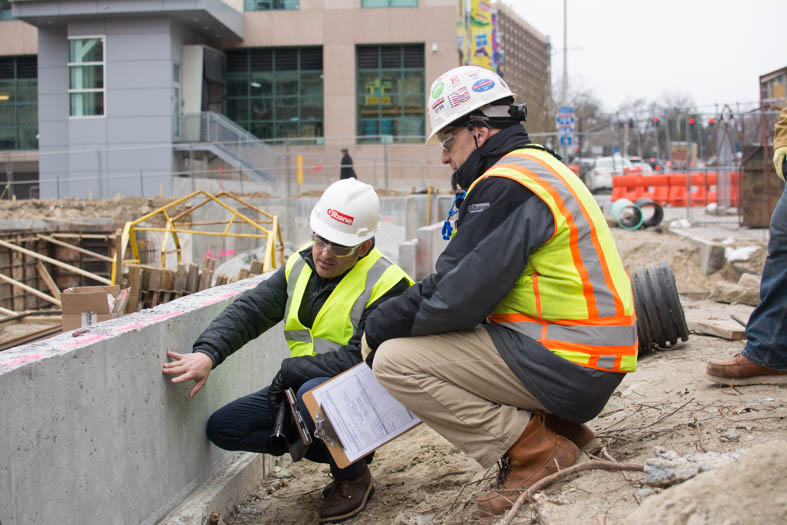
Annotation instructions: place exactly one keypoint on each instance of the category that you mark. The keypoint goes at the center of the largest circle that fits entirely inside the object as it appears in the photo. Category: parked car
(600, 177)
(638, 163)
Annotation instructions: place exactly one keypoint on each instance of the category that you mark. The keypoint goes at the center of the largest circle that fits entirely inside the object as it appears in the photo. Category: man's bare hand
(195, 366)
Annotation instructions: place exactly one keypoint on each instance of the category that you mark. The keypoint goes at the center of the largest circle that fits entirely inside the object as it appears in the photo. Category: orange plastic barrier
(677, 189)
(735, 189)
(660, 188)
(700, 186)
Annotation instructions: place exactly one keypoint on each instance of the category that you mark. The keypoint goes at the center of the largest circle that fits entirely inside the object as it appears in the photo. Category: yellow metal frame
(174, 227)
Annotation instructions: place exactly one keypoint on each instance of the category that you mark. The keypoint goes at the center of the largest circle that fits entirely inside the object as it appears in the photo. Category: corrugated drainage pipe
(660, 319)
(656, 212)
(627, 214)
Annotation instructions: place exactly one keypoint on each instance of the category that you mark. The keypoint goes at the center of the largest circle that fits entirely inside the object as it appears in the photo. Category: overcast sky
(713, 51)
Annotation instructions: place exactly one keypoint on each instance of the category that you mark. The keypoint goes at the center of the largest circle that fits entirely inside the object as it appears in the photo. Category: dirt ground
(421, 478)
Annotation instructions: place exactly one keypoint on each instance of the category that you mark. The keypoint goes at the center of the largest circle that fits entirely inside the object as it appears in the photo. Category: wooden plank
(33, 336)
(134, 283)
(256, 267)
(16, 274)
(205, 279)
(50, 283)
(29, 289)
(154, 285)
(167, 279)
(181, 278)
(55, 262)
(209, 263)
(243, 273)
(221, 279)
(192, 283)
(76, 248)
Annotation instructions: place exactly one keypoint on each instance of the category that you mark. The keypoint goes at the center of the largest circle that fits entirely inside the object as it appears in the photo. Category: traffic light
(711, 121)
(656, 121)
(691, 122)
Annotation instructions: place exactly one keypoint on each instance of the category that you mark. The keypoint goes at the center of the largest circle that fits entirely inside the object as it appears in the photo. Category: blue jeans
(766, 330)
(246, 424)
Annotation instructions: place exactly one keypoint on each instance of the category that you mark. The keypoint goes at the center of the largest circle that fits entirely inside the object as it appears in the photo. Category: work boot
(345, 499)
(740, 371)
(537, 453)
(579, 434)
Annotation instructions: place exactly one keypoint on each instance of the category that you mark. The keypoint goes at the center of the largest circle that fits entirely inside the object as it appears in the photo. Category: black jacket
(500, 224)
(262, 307)
(347, 171)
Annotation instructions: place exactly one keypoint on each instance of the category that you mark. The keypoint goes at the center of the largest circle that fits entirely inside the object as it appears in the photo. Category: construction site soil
(421, 478)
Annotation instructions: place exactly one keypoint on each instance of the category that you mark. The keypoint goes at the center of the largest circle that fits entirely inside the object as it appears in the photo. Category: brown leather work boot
(345, 499)
(537, 453)
(740, 371)
(579, 434)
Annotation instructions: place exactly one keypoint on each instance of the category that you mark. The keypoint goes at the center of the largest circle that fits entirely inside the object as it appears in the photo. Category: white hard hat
(461, 90)
(347, 213)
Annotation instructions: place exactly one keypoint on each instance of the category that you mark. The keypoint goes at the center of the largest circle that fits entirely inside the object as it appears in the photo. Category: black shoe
(345, 499)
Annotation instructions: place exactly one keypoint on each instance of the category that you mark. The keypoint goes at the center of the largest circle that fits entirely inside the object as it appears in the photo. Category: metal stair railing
(233, 143)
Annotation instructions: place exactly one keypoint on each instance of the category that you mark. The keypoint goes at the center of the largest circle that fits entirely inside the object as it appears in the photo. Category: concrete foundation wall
(94, 433)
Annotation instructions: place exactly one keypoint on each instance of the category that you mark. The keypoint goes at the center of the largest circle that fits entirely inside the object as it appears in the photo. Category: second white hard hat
(461, 90)
(347, 213)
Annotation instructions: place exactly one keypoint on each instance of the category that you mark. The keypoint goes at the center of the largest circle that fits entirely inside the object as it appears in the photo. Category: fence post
(141, 185)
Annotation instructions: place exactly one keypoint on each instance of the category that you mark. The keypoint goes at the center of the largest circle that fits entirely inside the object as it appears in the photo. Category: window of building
(269, 5)
(5, 10)
(276, 93)
(389, 3)
(86, 77)
(18, 103)
(390, 92)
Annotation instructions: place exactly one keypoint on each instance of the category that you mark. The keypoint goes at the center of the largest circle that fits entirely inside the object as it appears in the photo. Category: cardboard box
(88, 305)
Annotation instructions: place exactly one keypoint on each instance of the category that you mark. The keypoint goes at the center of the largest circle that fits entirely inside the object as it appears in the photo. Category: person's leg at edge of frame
(764, 357)
(351, 488)
(488, 416)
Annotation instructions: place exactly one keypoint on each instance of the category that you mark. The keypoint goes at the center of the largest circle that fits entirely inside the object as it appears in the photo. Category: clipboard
(374, 401)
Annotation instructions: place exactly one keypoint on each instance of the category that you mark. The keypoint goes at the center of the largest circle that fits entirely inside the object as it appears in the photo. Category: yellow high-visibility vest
(574, 296)
(371, 278)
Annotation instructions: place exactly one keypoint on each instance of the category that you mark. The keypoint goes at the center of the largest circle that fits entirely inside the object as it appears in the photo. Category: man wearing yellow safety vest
(527, 325)
(325, 294)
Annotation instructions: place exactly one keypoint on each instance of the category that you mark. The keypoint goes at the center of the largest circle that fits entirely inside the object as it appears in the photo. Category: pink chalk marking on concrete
(128, 327)
(24, 359)
(165, 316)
(220, 298)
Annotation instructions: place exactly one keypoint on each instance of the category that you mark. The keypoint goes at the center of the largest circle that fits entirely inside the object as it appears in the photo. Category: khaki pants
(458, 384)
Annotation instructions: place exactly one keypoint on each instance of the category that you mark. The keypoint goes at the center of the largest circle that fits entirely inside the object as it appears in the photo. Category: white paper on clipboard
(363, 414)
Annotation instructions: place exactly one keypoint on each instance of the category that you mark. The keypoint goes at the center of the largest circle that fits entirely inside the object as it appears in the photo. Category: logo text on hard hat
(482, 85)
(439, 105)
(339, 216)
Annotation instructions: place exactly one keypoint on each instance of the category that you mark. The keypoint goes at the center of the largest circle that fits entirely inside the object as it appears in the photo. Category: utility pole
(564, 86)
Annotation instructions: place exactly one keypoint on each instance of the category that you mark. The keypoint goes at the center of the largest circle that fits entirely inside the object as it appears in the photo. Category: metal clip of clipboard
(324, 430)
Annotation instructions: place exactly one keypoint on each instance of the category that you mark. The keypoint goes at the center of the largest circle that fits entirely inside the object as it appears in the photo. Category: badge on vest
(477, 208)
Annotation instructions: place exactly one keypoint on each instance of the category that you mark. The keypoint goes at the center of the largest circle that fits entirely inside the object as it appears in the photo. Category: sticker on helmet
(454, 80)
(439, 105)
(339, 216)
(438, 89)
(458, 97)
(485, 84)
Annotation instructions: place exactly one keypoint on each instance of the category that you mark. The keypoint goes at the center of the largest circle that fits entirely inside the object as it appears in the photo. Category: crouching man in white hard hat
(527, 325)
(324, 294)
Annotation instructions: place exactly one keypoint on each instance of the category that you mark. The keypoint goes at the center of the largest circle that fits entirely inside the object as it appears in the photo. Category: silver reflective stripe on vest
(583, 335)
(324, 345)
(606, 361)
(292, 280)
(299, 336)
(372, 276)
(603, 297)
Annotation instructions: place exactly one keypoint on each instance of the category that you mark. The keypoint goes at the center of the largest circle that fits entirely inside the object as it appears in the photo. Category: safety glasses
(337, 250)
(447, 139)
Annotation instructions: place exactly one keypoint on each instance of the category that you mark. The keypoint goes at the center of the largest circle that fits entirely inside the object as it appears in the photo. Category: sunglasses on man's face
(337, 250)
